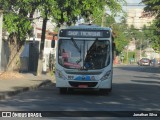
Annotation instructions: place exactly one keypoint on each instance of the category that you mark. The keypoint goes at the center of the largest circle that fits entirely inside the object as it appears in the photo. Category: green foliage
(62, 11)
(153, 7)
(15, 17)
(155, 36)
(131, 56)
(18, 14)
(16, 24)
(121, 42)
(146, 37)
(120, 36)
(107, 7)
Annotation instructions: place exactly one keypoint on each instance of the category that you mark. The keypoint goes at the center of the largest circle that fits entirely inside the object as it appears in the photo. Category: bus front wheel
(104, 91)
(63, 90)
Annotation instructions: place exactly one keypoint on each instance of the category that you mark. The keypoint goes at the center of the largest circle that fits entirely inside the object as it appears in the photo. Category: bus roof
(88, 27)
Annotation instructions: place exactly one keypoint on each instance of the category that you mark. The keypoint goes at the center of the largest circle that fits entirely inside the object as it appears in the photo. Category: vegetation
(18, 15)
(121, 40)
(18, 26)
(129, 56)
(152, 8)
(119, 30)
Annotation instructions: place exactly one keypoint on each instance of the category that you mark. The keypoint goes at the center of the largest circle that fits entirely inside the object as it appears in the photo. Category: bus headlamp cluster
(59, 74)
(106, 76)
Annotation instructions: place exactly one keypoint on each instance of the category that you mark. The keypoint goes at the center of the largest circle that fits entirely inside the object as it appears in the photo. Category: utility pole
(140, 49)
(102, 23)
(42, 43)
(1, 22)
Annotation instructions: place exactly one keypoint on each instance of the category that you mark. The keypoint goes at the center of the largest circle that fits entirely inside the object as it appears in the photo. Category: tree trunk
(15, 51)
(41, 59)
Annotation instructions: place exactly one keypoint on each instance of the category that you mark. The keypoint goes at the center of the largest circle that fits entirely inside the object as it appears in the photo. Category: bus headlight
(59, 74)
(106, 76)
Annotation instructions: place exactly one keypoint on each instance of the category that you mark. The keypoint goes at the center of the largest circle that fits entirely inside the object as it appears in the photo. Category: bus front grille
(89, 84)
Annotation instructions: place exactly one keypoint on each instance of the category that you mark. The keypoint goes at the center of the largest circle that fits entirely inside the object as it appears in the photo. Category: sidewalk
(14, 83)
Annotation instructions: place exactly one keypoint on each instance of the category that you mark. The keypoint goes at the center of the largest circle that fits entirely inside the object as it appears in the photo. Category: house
(31, 50)
(150, 53)
(137, 17)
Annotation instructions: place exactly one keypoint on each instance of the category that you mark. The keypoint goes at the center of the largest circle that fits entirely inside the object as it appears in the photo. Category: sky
(133, 1)
(131, 4)
(135, 4)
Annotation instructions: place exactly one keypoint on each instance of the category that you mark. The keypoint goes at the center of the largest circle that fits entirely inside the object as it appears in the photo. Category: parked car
(144, 61)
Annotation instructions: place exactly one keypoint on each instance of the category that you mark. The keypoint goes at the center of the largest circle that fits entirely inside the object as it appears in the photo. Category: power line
(133, 4)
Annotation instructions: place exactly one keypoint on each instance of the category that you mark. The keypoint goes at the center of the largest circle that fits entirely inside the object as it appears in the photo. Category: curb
(8, 94)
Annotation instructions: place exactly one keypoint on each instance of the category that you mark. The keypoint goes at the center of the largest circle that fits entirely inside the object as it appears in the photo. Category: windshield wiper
(75, 44)
(79, 50)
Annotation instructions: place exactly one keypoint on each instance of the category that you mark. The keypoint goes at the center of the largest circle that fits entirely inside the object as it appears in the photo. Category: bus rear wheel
(63, 90)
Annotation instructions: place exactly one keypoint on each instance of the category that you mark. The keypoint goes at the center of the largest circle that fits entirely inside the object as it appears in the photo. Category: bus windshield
(83, 54)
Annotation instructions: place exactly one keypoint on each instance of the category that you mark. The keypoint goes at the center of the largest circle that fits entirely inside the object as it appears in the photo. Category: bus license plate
(83, 86)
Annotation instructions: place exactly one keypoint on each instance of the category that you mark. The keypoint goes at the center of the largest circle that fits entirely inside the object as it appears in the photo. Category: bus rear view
(84, 58)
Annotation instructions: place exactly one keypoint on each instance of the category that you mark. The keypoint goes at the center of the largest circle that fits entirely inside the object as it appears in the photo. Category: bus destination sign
(85, 33)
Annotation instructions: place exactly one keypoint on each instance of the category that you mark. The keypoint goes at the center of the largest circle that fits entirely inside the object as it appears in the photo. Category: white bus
(84, 58)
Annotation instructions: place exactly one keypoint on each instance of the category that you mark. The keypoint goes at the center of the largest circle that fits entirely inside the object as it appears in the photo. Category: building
(30, 53)
(132, 45)
(1, 19)
(150, 53)
(138, 18)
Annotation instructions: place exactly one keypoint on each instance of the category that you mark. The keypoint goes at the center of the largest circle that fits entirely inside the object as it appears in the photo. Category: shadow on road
(124, 97)
(148, 69)
(143, 81)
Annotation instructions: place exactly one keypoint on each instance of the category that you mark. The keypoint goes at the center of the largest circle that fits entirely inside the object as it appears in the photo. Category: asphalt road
(135, 88)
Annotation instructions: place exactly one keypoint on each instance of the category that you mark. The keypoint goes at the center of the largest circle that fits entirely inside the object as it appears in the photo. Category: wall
(5, 55)
(1, 19)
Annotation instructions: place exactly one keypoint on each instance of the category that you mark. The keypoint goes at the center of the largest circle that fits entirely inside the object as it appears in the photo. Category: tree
(154, 36)
(152, 9)
(120, 37)
(61, 11)
(67, 11)
(110, 9)
(120, 30)
(18, 25)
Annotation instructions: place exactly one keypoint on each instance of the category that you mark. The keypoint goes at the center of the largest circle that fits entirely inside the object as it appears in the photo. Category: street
(135, 88)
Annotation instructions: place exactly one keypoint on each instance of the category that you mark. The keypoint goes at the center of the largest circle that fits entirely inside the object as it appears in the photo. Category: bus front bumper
(101, 84)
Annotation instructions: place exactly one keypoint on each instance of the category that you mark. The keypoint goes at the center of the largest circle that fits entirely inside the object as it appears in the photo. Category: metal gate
(33, 56)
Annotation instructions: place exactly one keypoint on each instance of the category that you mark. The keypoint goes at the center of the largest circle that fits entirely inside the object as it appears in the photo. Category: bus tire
(110, 90)
(103, 91)
(70, 90)
(63, 90)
